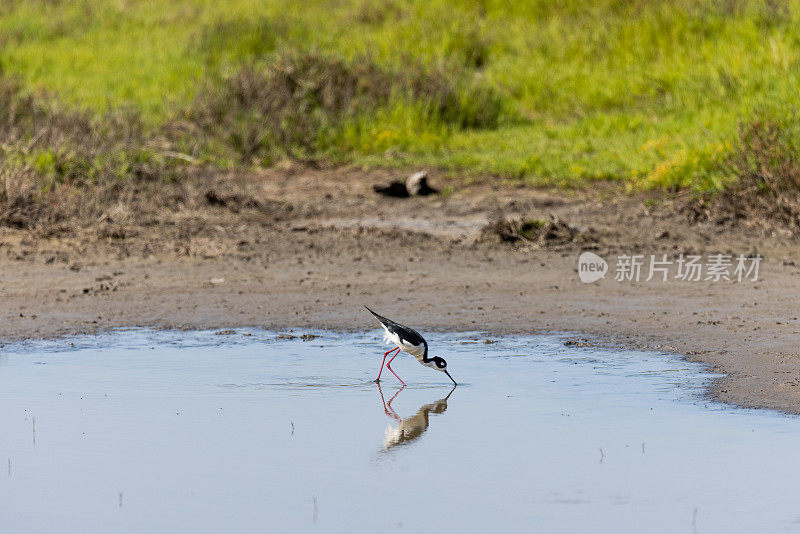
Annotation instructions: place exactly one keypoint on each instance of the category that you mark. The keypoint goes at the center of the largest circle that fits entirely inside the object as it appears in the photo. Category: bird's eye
(442, 364)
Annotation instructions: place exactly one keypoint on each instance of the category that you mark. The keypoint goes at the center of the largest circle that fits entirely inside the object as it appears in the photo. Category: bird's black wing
(403, 332)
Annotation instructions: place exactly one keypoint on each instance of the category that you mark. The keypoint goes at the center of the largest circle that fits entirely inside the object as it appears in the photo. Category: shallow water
(193, 432)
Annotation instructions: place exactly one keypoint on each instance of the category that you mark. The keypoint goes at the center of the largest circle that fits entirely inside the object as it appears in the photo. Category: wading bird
(408, 340)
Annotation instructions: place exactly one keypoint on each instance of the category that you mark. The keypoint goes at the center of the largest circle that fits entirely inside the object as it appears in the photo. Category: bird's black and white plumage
(410, 341)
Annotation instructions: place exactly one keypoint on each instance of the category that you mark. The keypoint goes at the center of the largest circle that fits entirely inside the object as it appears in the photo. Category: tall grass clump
(761, 178)
(45, 153)
(767, 158)
(764, 184)
(305, 104)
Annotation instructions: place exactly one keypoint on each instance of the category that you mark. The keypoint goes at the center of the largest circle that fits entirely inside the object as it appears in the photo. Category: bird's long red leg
(384, 361)
(388, 366)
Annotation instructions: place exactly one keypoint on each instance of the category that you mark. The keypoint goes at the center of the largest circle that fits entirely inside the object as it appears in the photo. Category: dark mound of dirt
(535, 232)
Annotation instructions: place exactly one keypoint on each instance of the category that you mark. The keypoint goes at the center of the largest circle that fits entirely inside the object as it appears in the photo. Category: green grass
(647, 93)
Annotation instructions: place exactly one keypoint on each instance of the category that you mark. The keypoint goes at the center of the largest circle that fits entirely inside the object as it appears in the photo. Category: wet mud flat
(139, 430)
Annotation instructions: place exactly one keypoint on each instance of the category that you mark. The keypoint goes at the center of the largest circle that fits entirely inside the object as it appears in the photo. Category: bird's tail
(384, 322)
(381, 318)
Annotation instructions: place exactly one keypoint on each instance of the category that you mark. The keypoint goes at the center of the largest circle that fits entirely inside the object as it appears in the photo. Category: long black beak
(450, 377)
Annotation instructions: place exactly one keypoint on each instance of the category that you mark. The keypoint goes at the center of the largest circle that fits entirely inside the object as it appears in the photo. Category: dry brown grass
(287, 105)
(300, 102)
(58, 165)
(765, 190)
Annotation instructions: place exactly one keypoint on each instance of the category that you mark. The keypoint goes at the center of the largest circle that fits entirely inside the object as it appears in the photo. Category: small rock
(308, 337)
(573, 343)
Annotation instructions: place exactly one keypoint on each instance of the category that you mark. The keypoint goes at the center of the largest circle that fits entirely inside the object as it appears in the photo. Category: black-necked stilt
(408, 340)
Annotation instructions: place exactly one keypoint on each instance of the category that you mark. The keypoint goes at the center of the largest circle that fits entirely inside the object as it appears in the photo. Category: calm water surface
(139, 431)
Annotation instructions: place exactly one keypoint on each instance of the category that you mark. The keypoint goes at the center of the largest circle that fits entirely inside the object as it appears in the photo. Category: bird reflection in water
(411, 428)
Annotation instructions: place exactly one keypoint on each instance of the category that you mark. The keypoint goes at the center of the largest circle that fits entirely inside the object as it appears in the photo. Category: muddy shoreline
(328, 244)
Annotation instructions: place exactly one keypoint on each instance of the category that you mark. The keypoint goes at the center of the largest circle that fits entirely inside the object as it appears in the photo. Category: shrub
(300, 102)
(45, 151)
(763, 187)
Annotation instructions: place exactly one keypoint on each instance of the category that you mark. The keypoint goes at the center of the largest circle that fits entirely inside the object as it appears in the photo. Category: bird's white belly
(394, 339)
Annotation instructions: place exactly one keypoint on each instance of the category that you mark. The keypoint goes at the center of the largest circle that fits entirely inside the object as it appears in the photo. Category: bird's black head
(440, 365)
